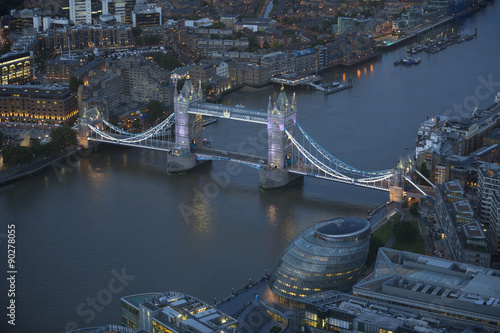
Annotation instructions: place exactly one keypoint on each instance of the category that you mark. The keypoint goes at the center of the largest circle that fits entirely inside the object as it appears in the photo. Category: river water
(117, 213)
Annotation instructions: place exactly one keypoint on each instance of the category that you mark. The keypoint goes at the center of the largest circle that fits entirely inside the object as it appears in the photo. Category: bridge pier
(179, 162)
(395, 193)
(275, 180)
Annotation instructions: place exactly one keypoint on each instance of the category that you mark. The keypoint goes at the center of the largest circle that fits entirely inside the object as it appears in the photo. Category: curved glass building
(329, 255)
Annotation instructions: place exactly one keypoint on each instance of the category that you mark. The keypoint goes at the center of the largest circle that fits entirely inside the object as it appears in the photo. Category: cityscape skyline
(339, 99)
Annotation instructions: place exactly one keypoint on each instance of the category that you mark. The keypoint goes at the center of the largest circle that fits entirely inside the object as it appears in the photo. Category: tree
(423, 170)
(166, 62)
(1, 139)
(136, 31)
(375, 243)
(404, 231)
(74, 83)
(16, 155)
(155, 110)
(63, 136)
(414, 209)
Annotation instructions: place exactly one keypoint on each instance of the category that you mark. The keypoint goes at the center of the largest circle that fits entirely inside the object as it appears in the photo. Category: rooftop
(342, 226)
(463, 206)
(453, 186)
(419, 279)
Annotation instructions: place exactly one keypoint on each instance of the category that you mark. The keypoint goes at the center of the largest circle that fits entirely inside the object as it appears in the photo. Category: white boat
(240, 106)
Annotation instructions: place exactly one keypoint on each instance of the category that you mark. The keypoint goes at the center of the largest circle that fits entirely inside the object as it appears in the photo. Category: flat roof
(462, 206)
(473, 229)
(453, 186)
(484, 285)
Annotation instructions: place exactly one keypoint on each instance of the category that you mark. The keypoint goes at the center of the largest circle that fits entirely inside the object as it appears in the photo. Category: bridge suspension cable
(149, 134)
(317, 166)
(347, 168)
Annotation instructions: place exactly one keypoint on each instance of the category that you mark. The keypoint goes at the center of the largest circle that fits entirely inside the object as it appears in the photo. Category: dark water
(118, 212)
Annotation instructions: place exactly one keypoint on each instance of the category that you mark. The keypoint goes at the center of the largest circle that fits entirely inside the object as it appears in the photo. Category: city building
(327, 256)
(146, 15)
(16, 68)
(144, 80)
(37, 104)
(80, 11)
(488, 188)
(62, 68)
(174, 312)
(462, 234)
(458, 293)
(104, 91)
(358, 25)
(229, 20)
(340, 312)
(306, 61)
(277, 63)
(107, 329)
(255, 24)
(84, 37)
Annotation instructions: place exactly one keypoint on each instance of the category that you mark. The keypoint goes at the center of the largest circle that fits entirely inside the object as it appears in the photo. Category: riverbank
(14, 174)
(414, 34)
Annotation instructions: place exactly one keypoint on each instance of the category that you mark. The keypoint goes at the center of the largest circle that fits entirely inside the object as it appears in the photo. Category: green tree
(423, 170)
(166, 62)
(155, 110)
(63, 136)
(404, 231)
(375, 243)
(414, 209)
(74, 83)
(136, 31)
(16, 155)
(404, 204)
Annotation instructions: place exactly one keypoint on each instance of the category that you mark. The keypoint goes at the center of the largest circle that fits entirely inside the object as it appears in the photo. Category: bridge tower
(188, 129)
(281, 116)
(88, 117)
(396, 190)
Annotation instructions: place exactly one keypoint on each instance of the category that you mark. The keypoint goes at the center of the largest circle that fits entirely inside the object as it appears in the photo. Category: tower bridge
(292, 153)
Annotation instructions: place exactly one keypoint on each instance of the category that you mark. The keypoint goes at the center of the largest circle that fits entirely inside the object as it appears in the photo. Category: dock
(331, 90)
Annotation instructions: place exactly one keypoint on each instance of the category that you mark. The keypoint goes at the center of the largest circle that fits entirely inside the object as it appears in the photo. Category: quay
(423, 30)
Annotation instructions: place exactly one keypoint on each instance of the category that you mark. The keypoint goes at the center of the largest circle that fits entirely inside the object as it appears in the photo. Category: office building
(488, 188)
(146, 15)
(37, 104)
(80, 11)
(174, 312)
(459, 293)
(327, 256)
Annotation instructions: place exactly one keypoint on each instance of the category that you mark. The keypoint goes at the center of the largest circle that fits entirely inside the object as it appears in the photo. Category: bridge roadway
(258, 162)
(229, 112)
(201, 153)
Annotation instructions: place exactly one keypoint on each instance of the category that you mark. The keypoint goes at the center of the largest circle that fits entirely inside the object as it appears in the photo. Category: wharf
(255, 308)
(332, 90)
(423, 30)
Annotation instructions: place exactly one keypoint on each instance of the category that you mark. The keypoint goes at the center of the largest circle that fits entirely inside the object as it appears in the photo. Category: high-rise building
(80, 11)
(488, 186)
(146, 15)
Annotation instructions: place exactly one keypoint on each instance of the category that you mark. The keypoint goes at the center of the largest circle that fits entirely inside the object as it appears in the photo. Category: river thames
(115, 224)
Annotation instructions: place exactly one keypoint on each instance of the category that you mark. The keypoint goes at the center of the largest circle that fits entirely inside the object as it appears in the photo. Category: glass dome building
(329, 255)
